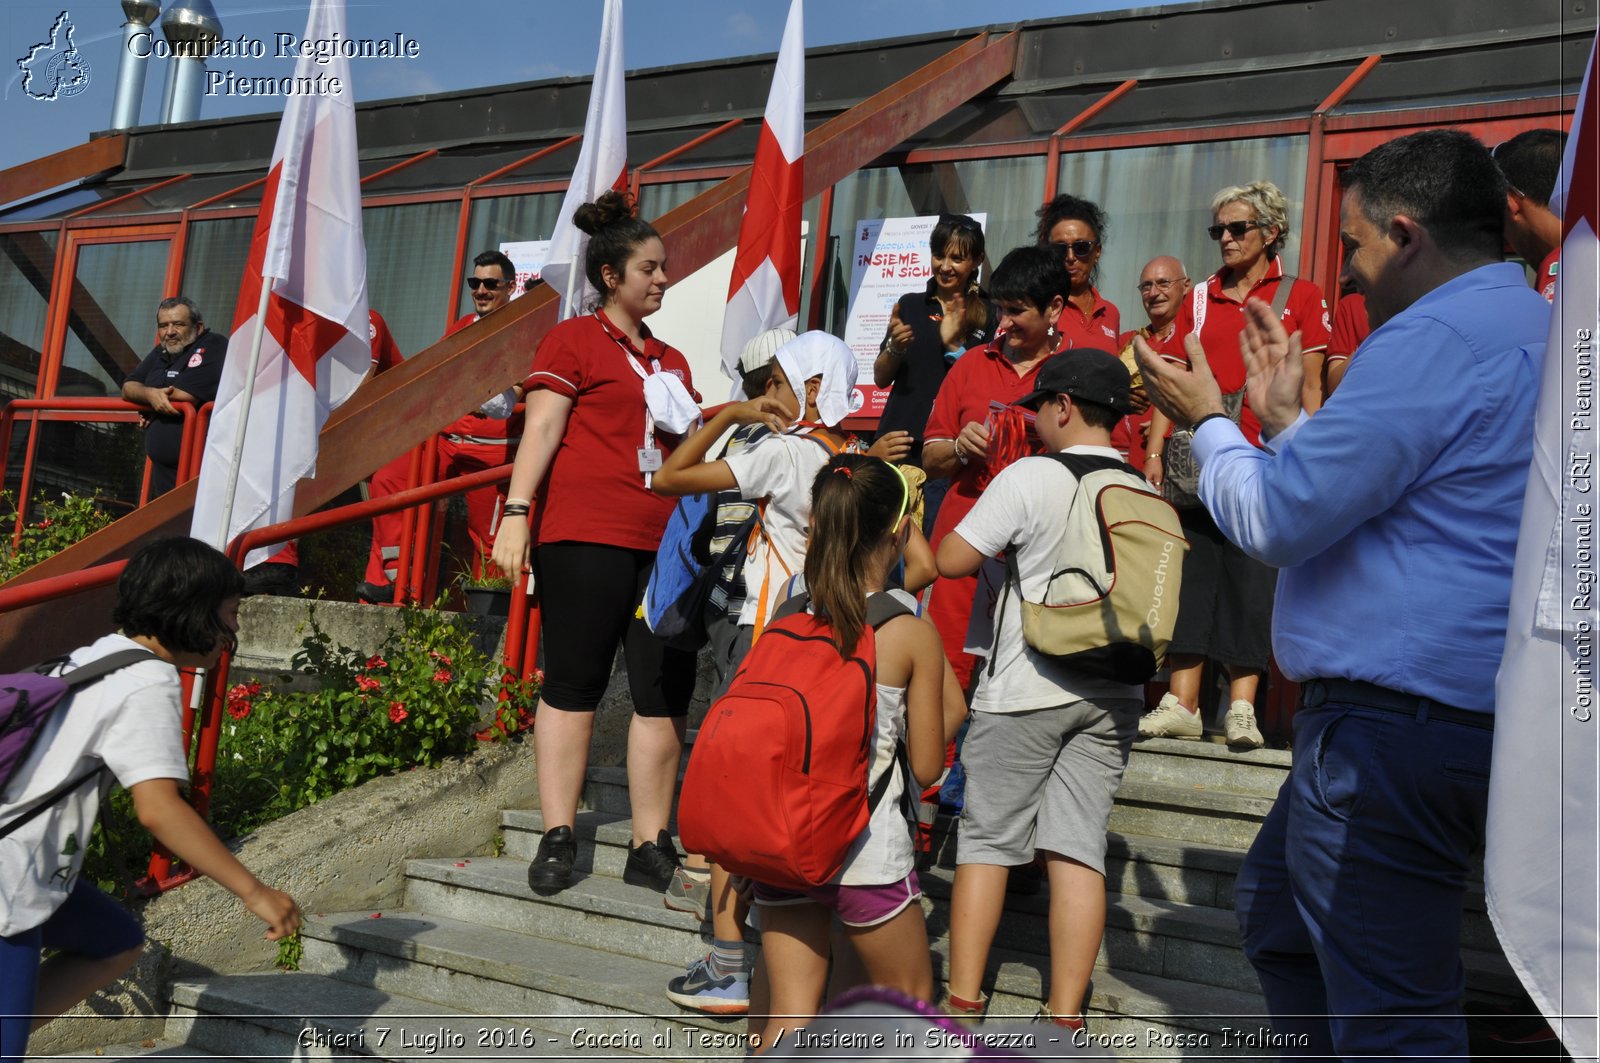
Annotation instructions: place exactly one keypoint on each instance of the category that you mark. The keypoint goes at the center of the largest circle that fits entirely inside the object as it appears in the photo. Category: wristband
(519, 502)
(514, 511)
(1208, 417)
(960, 456)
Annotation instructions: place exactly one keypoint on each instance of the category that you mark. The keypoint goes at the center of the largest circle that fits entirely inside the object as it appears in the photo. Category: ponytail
(854, 502)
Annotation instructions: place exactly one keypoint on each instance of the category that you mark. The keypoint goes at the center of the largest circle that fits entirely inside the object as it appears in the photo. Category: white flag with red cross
(308, 257)
(764, 291)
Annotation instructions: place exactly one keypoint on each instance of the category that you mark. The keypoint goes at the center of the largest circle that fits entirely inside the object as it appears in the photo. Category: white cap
(759, 351)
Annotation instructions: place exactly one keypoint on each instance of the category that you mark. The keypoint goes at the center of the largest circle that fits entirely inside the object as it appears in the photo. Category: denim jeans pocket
(1342, 760)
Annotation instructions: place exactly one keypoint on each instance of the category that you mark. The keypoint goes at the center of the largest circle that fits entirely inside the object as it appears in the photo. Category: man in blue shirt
(1393, 516)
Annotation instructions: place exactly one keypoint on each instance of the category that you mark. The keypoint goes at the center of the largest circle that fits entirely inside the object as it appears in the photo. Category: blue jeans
(88, 923)
(1350, 899)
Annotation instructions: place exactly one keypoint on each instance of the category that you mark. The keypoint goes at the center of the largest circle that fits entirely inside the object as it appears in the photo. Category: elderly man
(1163, 285)
(1393, 516)
(185, 366)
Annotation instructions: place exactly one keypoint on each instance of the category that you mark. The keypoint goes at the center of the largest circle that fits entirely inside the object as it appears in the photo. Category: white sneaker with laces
(1170, 719)
(1241, 726)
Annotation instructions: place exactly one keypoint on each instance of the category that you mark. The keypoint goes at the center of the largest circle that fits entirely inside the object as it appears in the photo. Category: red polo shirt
(1349, 326)
(385, 352)
(1098, 330)
(980, 376)
(593, 491)
(478, 427)
(1306, 311)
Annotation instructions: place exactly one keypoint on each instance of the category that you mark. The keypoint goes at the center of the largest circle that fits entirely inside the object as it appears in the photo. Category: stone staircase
(474, 965)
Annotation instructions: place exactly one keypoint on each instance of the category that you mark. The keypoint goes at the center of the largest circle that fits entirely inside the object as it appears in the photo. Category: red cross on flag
(764, 291)
(602, 164)
(300, 333)
(1541, 866)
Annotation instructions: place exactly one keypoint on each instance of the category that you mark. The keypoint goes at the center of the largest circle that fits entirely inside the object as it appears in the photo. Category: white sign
(890, 258)
(528, 257)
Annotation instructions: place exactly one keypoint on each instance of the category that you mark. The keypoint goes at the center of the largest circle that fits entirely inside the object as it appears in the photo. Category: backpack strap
(1280, 298)
(78, 677)
(882, 607)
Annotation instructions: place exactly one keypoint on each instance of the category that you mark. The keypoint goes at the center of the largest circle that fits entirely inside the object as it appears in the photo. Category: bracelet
(960, 456)
(515, 511)
(1156, 454)
(519, 502)
(1208, 417)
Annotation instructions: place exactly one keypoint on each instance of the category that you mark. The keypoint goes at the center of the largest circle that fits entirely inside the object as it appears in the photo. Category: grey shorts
(1044, 780)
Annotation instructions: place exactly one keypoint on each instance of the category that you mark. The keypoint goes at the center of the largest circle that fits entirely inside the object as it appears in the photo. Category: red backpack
(776, 787)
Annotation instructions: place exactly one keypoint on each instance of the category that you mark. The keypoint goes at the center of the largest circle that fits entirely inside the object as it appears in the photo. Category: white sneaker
(1241, 725)
(1170, 720)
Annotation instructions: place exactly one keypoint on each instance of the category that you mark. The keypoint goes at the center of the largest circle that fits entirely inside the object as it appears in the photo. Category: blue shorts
(88, 924)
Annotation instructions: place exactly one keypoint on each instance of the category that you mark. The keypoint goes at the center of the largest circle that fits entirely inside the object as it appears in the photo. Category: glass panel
(26, 268)
(1158, 202)
(876, 193)
(656, 200)
(213, 266)
(112, 315)
(503, 220)
(408, 266)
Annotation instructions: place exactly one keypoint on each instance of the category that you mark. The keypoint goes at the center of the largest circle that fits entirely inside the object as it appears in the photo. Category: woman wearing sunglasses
(1225, 607)
(1075, 228)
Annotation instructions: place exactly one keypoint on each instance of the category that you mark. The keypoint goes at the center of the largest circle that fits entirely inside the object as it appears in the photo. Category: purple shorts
(855, 905)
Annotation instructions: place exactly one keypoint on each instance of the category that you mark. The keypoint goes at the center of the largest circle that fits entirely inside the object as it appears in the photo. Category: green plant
(483, 575)
(55, 525)
(291, 950)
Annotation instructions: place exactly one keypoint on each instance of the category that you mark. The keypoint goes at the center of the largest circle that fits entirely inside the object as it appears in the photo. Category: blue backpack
(28, 699)
(684, 574)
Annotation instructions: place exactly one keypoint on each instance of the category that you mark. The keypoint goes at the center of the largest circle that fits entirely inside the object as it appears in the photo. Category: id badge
(649, 459)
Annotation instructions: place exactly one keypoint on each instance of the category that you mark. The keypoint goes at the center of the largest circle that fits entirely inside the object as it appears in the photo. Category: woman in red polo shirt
(1028, 289)
(1075, 229)
(1225, 607)
(606, 400)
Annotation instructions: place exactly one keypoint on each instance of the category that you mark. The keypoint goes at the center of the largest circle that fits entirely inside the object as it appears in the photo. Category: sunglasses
(1235, 229)
(1077, 248)
(488, 284)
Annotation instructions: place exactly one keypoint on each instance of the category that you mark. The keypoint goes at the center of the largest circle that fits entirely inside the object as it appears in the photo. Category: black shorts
(1225, 607)
(589, 596)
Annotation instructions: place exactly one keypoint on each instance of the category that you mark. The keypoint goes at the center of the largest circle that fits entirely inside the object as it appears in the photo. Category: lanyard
(649, 454)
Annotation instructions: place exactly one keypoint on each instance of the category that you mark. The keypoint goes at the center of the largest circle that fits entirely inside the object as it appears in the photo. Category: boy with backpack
(1048, 741)
(177, 607)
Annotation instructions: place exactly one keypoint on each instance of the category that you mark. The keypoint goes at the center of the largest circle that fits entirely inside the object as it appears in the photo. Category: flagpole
(245, 397)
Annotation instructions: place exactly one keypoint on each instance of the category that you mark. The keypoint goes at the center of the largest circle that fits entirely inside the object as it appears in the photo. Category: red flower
(436, 655)
(239, 699)
(46, 523)
(538, 676)
(238, 709)
(442, 676)
(376, 662)
(254, 688)
(366, 682)
(397, 711)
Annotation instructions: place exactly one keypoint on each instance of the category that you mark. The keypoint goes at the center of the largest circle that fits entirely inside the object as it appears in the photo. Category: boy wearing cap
(1047, 746)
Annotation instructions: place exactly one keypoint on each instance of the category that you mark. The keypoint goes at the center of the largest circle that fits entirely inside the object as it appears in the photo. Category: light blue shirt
(1393, 513)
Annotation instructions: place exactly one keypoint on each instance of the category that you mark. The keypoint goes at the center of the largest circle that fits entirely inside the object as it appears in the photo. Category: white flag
(1540, 864)
(602, 164)
(308, 252)
(764, 291)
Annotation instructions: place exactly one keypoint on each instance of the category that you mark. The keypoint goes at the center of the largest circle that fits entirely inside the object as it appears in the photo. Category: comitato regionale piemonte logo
(54, 68)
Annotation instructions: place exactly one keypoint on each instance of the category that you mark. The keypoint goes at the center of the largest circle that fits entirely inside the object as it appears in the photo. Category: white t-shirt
(780, 469)
(130, 722)
(1027, 505)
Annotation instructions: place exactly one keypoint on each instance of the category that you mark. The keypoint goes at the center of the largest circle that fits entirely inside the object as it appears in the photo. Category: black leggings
(589, 596)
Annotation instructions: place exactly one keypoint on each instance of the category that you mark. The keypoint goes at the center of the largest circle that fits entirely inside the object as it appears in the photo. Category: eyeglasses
(488, 284)
(1161, 285)
(1077, 248)
(1235, 229)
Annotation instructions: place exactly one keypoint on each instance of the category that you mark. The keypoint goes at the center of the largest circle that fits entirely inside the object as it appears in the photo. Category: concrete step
(312, 1017)
(152, 1048)
(1209, 765)
(497, 972)
(1190, 814)
(596, 911)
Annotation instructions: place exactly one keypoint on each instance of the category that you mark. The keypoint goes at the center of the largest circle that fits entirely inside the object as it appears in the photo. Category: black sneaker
(652, 864)
(551, 870)
(274, 578)
(375, 593)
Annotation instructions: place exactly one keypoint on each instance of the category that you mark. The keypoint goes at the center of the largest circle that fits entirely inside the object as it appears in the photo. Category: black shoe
(551, 870)
(652, 864)
(272, 577)
(375, 593)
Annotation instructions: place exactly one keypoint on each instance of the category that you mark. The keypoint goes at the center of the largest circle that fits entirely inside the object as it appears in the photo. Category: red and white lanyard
(649, 453)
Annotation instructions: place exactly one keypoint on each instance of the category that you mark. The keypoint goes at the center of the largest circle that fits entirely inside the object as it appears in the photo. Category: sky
(458, 46)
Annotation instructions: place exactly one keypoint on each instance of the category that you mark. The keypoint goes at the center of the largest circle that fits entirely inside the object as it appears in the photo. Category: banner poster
(528, 257)
(890, 257)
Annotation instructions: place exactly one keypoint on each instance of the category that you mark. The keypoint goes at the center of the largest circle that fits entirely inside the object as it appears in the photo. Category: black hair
(195, 317)
(500, 259)
(1067, 207)
(1096, 415)
(171, 591)
(614, 232)
(854, 500)
(1531, 162)
(1034, 275)
(755, 380)
(967, 236)
(1444, 180)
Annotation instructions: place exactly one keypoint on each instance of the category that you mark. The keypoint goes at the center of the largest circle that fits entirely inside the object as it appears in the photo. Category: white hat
(759, 351)
(822, 354)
